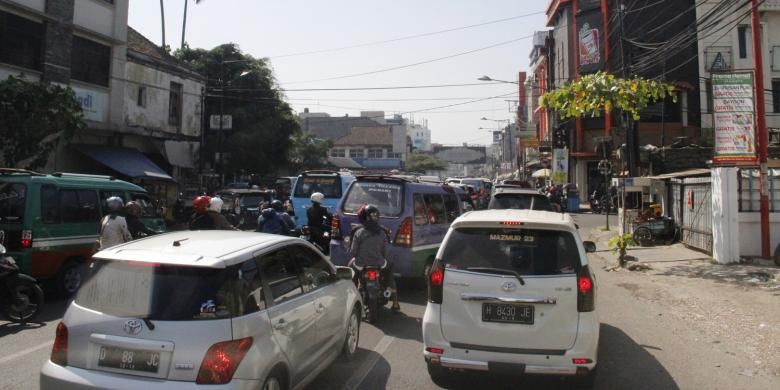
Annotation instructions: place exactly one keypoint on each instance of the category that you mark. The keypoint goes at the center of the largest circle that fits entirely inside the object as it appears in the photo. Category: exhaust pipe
(387, 293)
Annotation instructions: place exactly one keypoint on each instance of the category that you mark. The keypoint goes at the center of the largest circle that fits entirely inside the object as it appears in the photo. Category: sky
(288, 31)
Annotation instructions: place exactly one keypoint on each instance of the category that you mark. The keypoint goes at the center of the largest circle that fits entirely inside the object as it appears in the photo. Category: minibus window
(12, 202)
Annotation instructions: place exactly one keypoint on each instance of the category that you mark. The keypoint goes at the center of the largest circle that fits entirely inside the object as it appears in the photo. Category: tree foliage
(264, 125)
(418, 162)
(309, 152)
(598, 92)
(33, 116)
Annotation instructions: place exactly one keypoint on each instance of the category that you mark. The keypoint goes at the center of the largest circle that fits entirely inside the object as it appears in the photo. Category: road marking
(362, 372)
(26, 351)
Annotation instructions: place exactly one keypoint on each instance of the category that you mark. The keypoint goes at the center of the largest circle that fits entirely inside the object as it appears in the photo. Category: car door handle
(281, 324)
(320, 308)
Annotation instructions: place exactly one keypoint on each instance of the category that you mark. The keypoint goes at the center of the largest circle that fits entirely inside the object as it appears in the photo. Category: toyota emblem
(509, 286)
(133, 327)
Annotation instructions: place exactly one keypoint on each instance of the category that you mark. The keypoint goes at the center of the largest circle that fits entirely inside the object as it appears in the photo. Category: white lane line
(26, 351)
(362, 372)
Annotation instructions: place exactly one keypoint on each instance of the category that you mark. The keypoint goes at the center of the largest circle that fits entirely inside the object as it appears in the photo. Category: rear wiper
(148, 323)
(503, 271)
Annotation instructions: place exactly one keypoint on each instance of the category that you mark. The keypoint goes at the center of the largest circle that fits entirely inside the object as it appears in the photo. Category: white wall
(154, 115)
(99, 16)
(38, 5)
(750, 233)
(29, 75)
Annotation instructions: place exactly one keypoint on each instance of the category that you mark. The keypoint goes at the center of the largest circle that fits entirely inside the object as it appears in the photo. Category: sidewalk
(679, 260)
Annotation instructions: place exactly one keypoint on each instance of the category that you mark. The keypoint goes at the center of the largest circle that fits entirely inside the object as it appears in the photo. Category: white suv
(227, 309)
(511, 292)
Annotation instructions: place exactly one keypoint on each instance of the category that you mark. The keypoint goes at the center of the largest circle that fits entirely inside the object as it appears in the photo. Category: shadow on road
(367, 370)
(623, 364)
(400, 326)
(52, 311)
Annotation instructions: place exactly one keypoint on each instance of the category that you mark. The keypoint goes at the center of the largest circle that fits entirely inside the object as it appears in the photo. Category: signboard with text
(92, 104)
(560, 171)
(734, 117)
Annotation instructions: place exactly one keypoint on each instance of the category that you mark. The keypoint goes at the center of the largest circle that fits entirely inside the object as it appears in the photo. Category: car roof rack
(11, 171)
(386, 177)
(85, 175)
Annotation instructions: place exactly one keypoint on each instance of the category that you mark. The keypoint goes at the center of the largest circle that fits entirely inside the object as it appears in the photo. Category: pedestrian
(369, 246)
(215, 211)
(113, 227)
(270, 221)
(200, 219)
(134, 224)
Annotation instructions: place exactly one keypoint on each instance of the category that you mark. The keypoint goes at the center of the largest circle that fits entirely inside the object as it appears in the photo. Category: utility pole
(758, 58)
(221, 119)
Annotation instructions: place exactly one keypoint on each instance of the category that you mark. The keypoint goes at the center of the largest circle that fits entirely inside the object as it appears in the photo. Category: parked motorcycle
(652, 230)
(373, 290)
(21, 298)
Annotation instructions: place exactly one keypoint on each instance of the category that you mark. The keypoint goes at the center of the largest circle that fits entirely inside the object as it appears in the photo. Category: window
(141, 98)
(394, 155)
(250, 288)
(316, 271)
(338, 153)
(174, 105)
(435, 206)
(12, 202)
(90, 61)
(388, 197)
(281, 275)
(79, 206)
(375, 153)
(50, 210)
(742, 40)
(775, 95)
(420, 213)
(21, 41)
(356, 153)
(452, 206)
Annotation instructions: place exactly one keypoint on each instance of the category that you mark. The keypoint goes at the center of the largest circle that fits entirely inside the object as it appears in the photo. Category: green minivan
(49, 223)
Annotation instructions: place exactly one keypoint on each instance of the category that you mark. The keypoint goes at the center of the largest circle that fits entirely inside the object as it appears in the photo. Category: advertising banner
(560, 171)
(734, 117)
(496, 137)
(590, 36)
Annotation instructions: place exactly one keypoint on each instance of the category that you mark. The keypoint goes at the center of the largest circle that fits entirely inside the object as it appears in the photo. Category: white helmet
(215, 204)
(317, 197)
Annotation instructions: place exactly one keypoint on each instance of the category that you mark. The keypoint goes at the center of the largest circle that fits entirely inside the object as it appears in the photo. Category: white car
(227, 309)
(511, 291)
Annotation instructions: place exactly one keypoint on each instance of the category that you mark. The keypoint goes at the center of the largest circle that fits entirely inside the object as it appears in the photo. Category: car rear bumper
(484, 366)
(54, 376)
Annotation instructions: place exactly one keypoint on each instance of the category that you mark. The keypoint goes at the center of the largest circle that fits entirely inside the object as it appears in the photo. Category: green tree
(418, 162)
(598, 92)
(33, 116)
(264, 125)
(309, 152)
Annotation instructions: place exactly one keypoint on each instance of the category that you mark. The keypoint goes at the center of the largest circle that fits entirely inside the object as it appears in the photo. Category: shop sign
(560, 171)
(92, 104)
(734, 117)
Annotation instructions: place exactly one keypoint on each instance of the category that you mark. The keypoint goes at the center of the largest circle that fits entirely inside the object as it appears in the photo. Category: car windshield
(477, 184)
(520, 201)
(160, 291)
(12, 202)
(388, 197)
(330, 186)
(525, 251)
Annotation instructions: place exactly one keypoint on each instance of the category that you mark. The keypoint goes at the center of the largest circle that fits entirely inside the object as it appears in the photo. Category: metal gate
(692, 210)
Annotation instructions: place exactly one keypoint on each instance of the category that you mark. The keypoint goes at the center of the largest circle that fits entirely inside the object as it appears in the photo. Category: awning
(181, 153)
(686, 173)
(128, 162)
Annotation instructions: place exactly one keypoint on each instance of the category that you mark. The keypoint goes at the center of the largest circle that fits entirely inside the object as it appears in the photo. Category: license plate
(129, 359)
(508, 313)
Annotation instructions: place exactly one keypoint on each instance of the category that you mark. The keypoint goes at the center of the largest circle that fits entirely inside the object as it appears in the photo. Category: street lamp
(488, 78)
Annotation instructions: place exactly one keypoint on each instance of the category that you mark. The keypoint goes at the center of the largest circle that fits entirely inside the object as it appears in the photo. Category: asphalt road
(637, 351)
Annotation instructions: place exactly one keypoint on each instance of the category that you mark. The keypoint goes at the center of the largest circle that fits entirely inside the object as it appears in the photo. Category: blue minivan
(416, 214)
(331, 184)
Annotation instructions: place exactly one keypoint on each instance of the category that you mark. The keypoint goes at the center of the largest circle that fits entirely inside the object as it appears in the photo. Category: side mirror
(345, 273)
(590, 246)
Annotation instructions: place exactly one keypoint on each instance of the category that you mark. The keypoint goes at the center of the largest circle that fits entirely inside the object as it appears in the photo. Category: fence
(749, 195)
(692, 211)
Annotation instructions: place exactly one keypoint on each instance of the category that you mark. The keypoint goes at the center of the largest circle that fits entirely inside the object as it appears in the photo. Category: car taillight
(435, 350)
(586, 300)
(371, 274)
(403, 237)
(59, 351)
(335, 227)
(221, 361)
(26, 240)
(435, 282)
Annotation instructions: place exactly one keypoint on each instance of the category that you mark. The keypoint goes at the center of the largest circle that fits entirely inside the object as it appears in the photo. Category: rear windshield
(520, 201)
(477, 184)
(525, 251)
(160, 292)
(330, 186)
(388, 197)
(12, 200)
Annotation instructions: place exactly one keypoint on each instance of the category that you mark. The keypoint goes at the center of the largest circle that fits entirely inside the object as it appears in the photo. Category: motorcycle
(21, 298)
(372, 289)
(595, 203)
(323, 243)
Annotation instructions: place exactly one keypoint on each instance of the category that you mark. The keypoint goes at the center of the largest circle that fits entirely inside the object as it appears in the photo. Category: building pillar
(725, 215)
(58, 40)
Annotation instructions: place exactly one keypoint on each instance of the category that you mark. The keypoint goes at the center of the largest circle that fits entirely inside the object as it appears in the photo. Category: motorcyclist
(278, 206)
(270, 221)
(317, 215)
(113, 227)
(215, 211)
(370, 245)
(134, 225)
(201, 220)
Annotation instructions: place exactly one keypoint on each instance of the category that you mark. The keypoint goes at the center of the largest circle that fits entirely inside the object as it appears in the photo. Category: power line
(329, 50)
(413, 64)
(357, 88)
